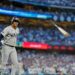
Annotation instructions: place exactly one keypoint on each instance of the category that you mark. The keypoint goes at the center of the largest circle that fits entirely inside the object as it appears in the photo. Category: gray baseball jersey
(10, 35)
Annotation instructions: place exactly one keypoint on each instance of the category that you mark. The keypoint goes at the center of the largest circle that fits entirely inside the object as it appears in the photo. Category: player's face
(15, 24)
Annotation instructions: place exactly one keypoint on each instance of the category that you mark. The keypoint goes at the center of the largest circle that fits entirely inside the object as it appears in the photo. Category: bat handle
(54, 24)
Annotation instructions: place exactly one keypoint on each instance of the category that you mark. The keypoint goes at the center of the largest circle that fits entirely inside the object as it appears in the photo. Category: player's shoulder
(7, 27)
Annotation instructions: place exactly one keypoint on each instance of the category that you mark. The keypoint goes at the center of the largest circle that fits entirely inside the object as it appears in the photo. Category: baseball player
(9, 35)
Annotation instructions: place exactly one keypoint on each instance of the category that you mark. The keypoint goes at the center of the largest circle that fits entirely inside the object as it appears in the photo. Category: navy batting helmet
(15, 19)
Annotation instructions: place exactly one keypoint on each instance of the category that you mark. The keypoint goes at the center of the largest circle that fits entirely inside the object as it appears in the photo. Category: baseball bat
(64, 32)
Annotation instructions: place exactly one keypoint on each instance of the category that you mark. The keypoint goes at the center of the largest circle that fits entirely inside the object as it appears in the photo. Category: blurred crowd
(50, 36)
(47, 63)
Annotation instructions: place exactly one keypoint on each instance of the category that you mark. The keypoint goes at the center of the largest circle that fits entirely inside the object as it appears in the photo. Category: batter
(9, 35)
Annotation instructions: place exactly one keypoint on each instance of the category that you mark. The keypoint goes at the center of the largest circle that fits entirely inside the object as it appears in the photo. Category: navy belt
(9, 45)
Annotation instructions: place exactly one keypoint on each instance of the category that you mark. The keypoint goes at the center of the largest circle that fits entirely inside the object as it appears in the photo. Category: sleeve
(5, 32)
(1, 37)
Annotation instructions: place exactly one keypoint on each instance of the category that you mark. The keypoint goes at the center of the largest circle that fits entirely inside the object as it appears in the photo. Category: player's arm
(1, 37)
(3, 33)
(1, 41)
